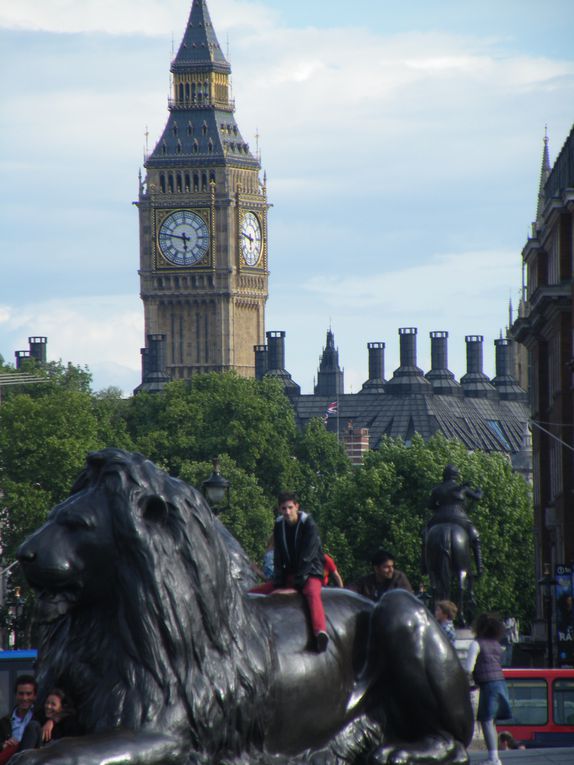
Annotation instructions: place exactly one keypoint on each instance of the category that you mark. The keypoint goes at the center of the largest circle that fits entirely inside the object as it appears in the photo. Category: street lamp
(216, 489)
(547, 582)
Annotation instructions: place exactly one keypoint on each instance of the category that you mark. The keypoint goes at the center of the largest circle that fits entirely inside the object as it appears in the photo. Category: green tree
(250, 514)
(384, 504)
(321, 461)
(249, 420)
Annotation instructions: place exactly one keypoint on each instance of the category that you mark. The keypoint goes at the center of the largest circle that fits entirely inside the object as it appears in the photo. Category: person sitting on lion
(447, 502)
(298, 562)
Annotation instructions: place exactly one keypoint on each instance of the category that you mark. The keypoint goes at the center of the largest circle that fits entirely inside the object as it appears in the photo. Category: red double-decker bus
(542, 702)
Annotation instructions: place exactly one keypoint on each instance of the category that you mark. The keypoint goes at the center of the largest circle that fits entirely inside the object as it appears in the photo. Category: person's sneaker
(491, 761)
(321, 642)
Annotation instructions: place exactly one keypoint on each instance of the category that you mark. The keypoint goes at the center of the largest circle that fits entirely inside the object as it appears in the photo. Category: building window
(162, 182)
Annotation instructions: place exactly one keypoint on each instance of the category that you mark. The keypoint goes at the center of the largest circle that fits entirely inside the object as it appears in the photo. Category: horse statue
(451, 541)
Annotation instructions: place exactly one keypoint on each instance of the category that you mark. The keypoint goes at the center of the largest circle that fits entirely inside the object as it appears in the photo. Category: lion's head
(141, 597)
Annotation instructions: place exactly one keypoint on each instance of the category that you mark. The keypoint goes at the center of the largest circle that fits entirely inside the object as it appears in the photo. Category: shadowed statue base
(145, 621)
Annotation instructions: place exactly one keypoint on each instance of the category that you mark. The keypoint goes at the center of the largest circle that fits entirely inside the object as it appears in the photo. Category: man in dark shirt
(384, 577)
(14, 725)
(298, 562)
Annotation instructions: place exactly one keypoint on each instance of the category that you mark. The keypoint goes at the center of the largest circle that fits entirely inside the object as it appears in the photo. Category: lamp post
(547, 582)
(216, 489)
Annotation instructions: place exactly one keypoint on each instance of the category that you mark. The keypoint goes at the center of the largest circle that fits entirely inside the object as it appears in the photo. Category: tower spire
(544, 173)
(199, 44)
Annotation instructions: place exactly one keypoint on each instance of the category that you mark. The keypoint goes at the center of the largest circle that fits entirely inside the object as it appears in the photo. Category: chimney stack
(276, 363)
(505, 384)
(440, 377)
(153, 358)
(260, 361)
(475, 383)
(38, 346)
(376, 381)
(408, 378)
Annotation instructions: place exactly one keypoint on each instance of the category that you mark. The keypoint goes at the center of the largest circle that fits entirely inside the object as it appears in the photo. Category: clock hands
(247, 236)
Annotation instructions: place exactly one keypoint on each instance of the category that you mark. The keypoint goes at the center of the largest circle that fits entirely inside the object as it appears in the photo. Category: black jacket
(369, 587)
(308, 560)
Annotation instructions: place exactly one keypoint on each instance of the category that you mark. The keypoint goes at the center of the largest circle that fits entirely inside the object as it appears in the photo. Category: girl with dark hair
(60, 718)
(484, 662)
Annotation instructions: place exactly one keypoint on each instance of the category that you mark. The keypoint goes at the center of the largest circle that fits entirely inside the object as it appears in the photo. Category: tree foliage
(383, 504)
(46, 431)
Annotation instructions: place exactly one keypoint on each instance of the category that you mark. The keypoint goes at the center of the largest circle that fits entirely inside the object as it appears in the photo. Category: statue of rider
(447, 502)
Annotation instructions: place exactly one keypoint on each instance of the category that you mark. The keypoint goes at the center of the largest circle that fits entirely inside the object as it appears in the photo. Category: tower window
(164, 148)
(178, 182)
(170, 182)
(174, 128)
(195, 146)
(178, 149)
(180, 91)
(193, 92)
(195, 182)
(162, 182)
(190, 128)
(204, 181)
(187, 182)
(187, 91)
(204, 128)
(210, 146)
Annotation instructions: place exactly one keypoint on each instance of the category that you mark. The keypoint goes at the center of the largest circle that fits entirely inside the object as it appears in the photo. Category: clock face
(183, 238)
(250, 239)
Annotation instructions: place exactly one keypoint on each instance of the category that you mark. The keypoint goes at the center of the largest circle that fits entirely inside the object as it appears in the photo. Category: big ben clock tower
(203, 221)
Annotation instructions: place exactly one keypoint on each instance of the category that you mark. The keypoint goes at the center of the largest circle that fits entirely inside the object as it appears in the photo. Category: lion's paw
(428, 750)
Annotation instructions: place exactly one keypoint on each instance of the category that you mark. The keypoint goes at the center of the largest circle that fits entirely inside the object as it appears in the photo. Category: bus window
(529, 701)
(563, 702)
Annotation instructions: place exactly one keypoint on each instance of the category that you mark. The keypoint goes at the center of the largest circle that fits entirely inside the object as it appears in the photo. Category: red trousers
(311, 592)
(6, 753)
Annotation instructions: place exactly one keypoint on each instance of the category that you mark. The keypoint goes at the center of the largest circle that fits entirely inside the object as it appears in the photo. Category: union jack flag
(332, 408)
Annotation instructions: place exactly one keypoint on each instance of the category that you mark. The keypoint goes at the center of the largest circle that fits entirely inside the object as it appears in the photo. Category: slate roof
(491, 415)
(200, 132)
(199, 47)
(477, 422)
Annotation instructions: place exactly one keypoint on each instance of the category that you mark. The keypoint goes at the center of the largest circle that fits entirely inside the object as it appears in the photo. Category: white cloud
(458, 280)
(102, 332)
(130, 17)
(419, 150)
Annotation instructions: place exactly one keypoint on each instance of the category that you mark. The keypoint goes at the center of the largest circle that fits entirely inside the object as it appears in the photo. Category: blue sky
(402, 144)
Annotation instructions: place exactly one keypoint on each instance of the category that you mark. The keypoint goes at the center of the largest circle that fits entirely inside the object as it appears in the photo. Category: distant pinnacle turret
(544, 173)
(329, 377)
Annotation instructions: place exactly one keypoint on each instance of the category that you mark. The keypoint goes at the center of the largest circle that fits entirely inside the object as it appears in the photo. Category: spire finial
(544, 173)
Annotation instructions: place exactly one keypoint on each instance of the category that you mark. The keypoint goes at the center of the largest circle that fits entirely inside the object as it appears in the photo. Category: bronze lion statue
(144, 618)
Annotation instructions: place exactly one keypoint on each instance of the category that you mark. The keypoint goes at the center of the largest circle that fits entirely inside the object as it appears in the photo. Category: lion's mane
(173, 647)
